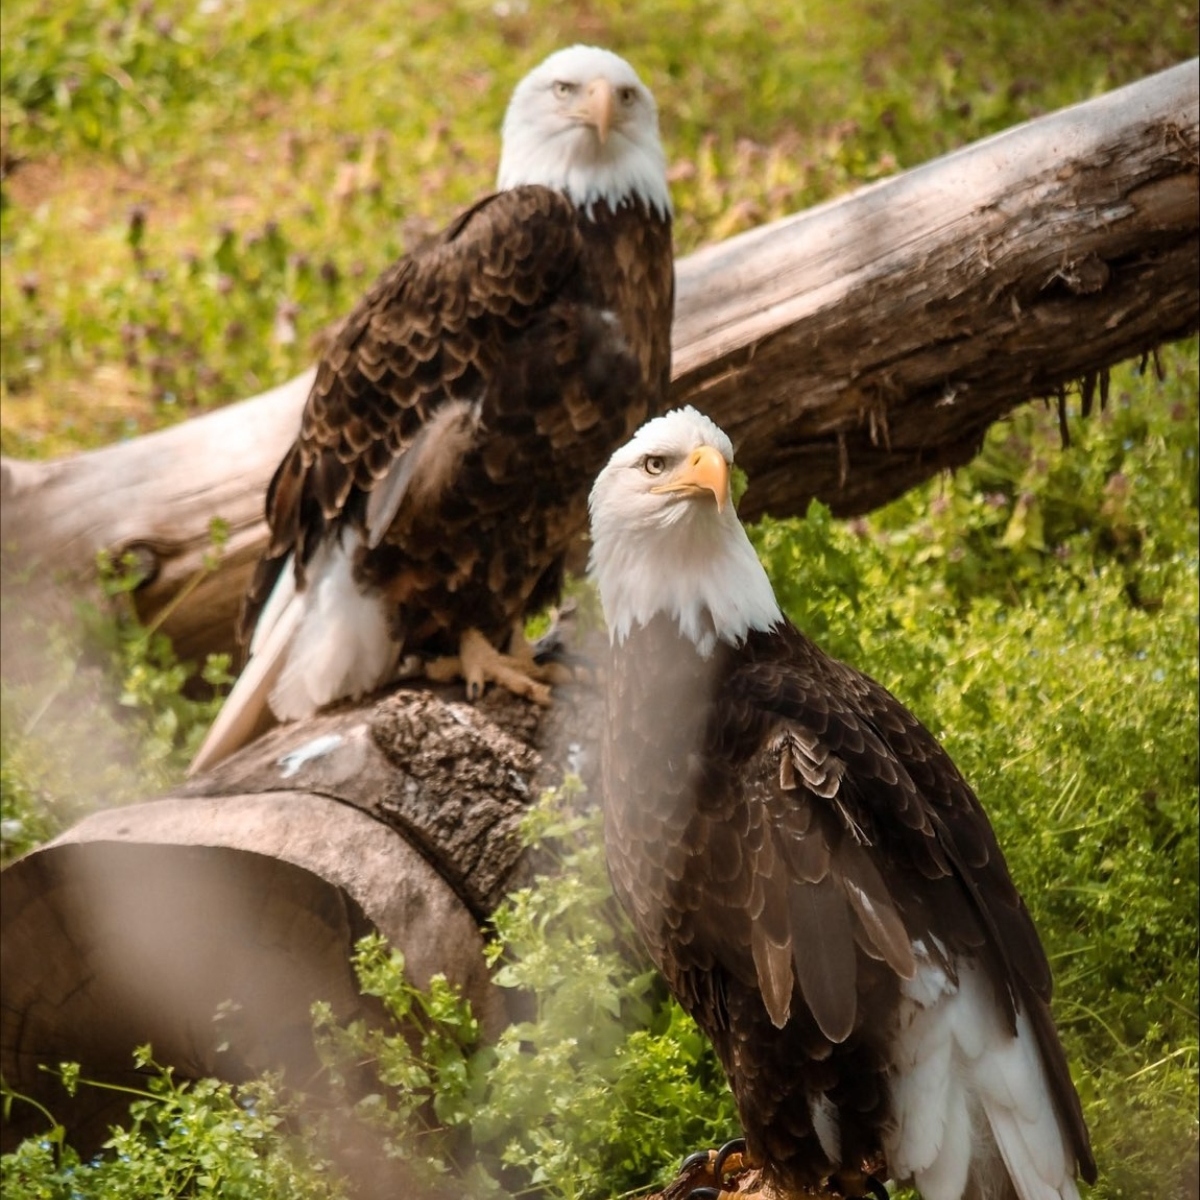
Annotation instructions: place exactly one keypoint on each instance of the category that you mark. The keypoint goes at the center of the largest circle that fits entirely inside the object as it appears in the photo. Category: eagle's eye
(627, 95)
(654, 464)
(563, 88)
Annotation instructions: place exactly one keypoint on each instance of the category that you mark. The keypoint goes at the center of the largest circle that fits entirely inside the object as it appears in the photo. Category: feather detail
(972, 1103)
(825, 1123)
(245, 709)
(773, 964)
(342, 644)
(426, 468)
(309, 648)
(825, 957)
(876, 911)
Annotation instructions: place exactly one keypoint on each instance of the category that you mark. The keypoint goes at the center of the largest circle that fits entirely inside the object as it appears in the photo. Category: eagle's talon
(693, 1160)
(736, 1149)
(711, 1167)
(478, 663)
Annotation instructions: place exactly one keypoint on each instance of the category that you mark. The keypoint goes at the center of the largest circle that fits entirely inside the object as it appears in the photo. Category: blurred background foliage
(192, 192)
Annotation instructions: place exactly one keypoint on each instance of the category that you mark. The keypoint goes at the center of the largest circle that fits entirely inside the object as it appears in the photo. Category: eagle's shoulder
(435, 313)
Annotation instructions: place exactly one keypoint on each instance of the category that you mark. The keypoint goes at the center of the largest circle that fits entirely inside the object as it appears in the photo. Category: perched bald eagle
(441, 469)
(815, 879)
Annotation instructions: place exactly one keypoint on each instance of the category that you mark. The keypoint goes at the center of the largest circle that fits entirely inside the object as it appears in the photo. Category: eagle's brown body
(508, 357)
(786, 838)
(441, 469)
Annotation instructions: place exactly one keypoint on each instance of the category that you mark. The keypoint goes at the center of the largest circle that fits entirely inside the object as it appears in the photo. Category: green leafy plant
(202, 1139)
(606, 1084)
(595, 1092)
(97, 708)
(153, 682)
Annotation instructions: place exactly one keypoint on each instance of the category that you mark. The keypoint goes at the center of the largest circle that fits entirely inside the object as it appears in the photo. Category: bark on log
(244, 892)
(851, 351)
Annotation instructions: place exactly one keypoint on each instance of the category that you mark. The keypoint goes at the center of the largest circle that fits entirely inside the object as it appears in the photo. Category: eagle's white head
(583, 123)
(665, 537)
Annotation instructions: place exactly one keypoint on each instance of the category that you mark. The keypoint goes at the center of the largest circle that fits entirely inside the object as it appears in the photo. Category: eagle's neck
(620, 172)
(702, 574)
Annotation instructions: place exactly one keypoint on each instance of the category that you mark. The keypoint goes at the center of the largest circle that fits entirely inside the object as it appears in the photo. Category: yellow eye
(654, 464)
(627, 95)
(563, 89)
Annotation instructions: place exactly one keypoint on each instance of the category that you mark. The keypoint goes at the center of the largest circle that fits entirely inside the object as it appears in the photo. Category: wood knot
(141, 559)
(1084, 276)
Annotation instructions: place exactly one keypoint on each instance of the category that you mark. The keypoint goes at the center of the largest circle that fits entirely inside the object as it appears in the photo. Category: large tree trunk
(851, 351)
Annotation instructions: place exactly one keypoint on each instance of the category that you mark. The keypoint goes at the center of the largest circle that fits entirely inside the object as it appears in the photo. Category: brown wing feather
(490, 311)
(911, 852)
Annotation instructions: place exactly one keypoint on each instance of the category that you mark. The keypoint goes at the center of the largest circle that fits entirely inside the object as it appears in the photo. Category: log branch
(851, 351)
(860, 347)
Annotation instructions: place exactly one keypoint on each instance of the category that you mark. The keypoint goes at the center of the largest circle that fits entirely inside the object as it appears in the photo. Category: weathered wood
(111, 941)
(851, 351)
(880, 335)
(155, 497)
(243, 893)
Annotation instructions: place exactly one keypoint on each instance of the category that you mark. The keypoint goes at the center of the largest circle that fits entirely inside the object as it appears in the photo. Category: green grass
(194, 191)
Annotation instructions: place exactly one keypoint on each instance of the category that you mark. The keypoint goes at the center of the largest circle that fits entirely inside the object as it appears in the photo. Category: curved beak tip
(707, 471)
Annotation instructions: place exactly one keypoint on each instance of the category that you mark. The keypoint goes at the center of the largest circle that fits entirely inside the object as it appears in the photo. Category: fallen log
(852, 350)
(207, 922)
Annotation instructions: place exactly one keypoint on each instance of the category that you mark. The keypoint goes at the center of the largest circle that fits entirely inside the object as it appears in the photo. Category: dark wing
(423, 343)
(871, 839)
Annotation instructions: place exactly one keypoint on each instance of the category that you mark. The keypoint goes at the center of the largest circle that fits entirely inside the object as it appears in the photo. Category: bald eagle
(441, 467)
(815, 879)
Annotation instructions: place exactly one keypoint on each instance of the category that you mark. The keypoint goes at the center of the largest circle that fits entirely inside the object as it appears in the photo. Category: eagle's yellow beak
(705, 471)
(599, 108)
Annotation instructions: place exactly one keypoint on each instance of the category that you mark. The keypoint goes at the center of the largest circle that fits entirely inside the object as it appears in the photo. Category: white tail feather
(1019, 1107)
(974, 1113)
(278, 602)
(309, 648)
(243, 710)
(343, 645)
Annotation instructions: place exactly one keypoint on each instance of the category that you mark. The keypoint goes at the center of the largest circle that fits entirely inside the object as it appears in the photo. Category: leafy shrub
(97, 708)
(200, 1139)
(596, 1092)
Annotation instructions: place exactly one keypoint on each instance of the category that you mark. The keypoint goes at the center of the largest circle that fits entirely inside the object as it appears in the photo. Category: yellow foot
(478, 662)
